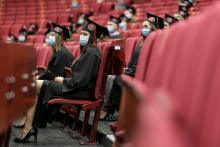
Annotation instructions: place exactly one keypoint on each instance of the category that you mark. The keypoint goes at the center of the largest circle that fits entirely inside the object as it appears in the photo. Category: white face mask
(21, 38)
(47, 40)
(80, 21)
(128, 16)
(122, 25)
(145, 31)
(110, 29)
(8, 42)
(83, 40)
(52, 40)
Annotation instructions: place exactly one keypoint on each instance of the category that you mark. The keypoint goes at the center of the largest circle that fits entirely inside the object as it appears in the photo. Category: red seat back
(63, 18)
(125, 33)
(39, 39)
(129, 49)
(105, 8)
(136, 33)
(42, 56)
(15, 29)
(103, 73)
(5, 30)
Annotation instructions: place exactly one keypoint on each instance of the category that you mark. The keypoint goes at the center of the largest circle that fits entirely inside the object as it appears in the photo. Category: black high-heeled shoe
(110, 111)
(19, 126)
(32, 132)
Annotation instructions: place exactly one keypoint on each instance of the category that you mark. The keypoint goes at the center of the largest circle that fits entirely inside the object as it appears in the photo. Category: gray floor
(53, 136)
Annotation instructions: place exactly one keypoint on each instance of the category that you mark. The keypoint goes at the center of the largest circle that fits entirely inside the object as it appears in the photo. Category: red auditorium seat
(87, 105)
(21, 5)
(75, 50)
(9, 22)
(65, 24)
(70, 43)
(129, 49)
(31, 38)
(52, 7)
(41, 59)
(105, 8)
(96, 8)
(133, 26)
(39, 39)
(21, 9)
(20, 13)
(63, 18)
(5, 30)
(53, 17)
(76, 37)
(125, 33)
(15, 29)
(42, 23)
(136, 33)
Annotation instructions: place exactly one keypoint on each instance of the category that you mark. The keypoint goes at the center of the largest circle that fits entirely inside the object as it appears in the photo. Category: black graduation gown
(115, 36)
(80, 85)
(115, 95)
(63, 58)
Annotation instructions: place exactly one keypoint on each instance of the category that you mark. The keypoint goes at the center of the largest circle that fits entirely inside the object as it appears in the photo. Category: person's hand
(59, 79)
(35, 78)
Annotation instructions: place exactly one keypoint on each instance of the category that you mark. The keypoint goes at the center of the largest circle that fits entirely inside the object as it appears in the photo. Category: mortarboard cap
(114, 19)
(152, 19)
(12, 37)
(131, 10)
(70, 28)
(160, 23)
(95, 29)
(123, 17)
(62, 31)
(169, 19)
(184, 8)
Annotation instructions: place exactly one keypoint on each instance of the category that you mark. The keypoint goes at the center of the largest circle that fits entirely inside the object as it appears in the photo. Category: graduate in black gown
(11, 39)
(60, 58)
(112, 27)
(80, 85)
(114, 85)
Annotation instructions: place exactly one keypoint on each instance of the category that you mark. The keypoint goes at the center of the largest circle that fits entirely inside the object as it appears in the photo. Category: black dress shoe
(32, 132)
(19, 126)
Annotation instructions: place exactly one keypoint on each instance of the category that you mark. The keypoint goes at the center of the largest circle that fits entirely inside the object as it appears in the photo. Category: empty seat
(125, 33)
(63, 18)
(70, 43)
(15, 29)
(133, 26)
(136, 33)
(31, 38)
(5, 30)
(42, 23)
(105, 8)
(53, 17)
(39, 39)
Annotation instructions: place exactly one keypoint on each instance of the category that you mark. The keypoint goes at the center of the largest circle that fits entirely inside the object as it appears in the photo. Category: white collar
(115, 33)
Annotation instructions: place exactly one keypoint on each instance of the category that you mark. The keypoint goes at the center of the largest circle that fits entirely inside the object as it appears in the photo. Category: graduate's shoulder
(64, 50)
(93, 51)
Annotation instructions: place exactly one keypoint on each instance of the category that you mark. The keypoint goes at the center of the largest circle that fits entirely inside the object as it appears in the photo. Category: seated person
(74, 27)
(32, 29)
(81, 21)
(49, 25)
(124, 23)
(121, 5)
(169, 20)
(75, 4)
(188, 3)
(11, 39)
(182, 13)
(130, 13)
(80, 85)
(60, 58)
(112, 27)
(70, 28)
(114, 86)
(23, 35)
(100, 1)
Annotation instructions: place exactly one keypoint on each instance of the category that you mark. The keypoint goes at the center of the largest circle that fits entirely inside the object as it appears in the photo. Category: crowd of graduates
(80, 85)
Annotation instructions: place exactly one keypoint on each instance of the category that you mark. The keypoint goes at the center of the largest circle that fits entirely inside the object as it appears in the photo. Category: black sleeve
(83, 72)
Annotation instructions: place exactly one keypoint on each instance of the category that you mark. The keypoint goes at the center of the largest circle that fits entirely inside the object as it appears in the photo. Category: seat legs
(76, 120)
(94, 128)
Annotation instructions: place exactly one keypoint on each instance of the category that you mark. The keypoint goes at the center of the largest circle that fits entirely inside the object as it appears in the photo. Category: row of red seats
(175, 88)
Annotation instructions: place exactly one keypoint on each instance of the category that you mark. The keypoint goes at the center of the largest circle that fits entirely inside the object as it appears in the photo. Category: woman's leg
(108, 89)
(30, 113)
